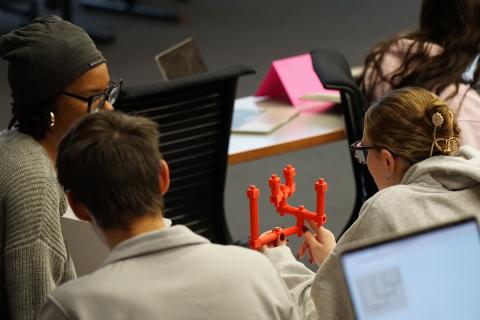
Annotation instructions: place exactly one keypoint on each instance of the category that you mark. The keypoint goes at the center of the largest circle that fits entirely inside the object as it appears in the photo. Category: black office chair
(194, 115)
(333, 71)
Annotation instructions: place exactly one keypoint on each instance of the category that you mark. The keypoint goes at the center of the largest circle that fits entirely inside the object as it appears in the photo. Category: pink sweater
(465, 104)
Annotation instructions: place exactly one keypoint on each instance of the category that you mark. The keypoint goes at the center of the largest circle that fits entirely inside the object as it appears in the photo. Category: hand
(281, 241)
(318, 245)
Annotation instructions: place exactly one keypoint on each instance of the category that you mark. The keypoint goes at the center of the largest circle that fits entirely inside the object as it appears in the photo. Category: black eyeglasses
(96, 101)
(360, 151)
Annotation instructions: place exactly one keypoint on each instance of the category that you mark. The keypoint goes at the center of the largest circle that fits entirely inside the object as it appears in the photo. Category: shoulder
(404, 46)
(379, 214)
(401, 48)
(236, 254)
(21, 154)
(248, 265)
(52, 309)
(383, 200)
(401, 208)
(464, 100)
(15, 141)
(23, 163)
(72, 296)
(229, 266)
(397, 46)
(89, 288)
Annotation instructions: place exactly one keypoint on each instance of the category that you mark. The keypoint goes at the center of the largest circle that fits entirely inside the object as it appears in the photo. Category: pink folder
(290, 78)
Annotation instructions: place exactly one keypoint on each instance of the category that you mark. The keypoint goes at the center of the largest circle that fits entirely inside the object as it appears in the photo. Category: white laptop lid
(432, 274)
(260, 115)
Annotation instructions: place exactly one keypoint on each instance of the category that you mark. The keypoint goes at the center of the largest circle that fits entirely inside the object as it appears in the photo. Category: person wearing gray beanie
(56, 76)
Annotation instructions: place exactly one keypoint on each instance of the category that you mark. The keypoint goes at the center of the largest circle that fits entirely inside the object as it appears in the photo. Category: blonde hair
(404, 120)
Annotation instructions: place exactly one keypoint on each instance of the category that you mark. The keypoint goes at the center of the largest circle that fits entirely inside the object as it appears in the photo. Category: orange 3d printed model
(279, 194)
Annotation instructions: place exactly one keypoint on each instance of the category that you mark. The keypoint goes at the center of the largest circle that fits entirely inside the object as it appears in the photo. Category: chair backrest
(333, 71)
(194, 116)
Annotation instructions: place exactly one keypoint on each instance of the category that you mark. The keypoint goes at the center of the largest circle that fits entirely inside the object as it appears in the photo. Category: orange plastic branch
(279, 194)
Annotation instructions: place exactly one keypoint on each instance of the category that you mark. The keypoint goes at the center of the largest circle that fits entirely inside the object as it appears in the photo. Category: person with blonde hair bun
(410, 145)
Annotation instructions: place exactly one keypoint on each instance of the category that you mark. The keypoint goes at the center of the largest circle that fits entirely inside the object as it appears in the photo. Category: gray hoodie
(433, 191)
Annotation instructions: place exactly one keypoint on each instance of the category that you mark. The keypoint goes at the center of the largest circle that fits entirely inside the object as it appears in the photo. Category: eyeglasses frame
(90, 99)
(354, 147)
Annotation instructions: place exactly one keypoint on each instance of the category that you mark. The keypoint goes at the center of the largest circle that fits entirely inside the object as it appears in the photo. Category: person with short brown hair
(111, 168)
(410, 145)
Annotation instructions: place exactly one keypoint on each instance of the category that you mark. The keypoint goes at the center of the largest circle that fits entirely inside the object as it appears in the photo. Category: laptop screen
(181, 60)
(433, 274)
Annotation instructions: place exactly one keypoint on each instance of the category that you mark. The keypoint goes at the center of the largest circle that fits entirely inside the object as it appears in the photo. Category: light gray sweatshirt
(433, 191)
(174, 273)
(34, 258)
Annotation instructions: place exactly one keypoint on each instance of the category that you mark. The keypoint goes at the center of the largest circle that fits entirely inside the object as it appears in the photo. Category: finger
(281, 240)
(310, 239)
(325, 236)
(273, 242)
(311, 258)
(308, 251)
(301, 250)
(305, 229)
(313, 226)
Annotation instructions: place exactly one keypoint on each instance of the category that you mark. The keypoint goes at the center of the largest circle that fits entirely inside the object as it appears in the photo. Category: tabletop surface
(305, 130)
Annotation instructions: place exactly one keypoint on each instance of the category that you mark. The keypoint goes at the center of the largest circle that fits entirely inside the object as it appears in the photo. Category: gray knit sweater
(34, 259)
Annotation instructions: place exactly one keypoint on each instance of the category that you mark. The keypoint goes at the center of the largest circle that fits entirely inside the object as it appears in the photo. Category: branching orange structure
(279, 194)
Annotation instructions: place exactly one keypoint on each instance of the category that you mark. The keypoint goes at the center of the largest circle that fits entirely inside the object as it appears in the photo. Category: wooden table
(306, 130)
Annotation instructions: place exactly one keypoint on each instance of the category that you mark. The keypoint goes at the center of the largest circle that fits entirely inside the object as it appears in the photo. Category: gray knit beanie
(45, 56)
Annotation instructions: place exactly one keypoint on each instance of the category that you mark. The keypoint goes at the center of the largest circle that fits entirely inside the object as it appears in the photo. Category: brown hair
(110, 162)
(452, 24)
(402, 122)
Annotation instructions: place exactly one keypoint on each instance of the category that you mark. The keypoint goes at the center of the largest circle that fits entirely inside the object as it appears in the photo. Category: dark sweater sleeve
(43, 271)
(36, 259)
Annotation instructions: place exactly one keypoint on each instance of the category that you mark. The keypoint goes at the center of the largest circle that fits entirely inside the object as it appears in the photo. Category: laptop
(181, 60)
(430, 274)
(251, 114)
(260, 115)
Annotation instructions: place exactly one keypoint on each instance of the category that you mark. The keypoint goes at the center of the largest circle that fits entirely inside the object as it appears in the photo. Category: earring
(52, 119)
(389, 176)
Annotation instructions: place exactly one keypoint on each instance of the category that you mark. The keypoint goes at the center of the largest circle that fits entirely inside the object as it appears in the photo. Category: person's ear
(80, 211)
(164, 177)
(388, 161)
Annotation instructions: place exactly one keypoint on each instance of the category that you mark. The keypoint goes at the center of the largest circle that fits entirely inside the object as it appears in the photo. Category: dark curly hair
(32, 119)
